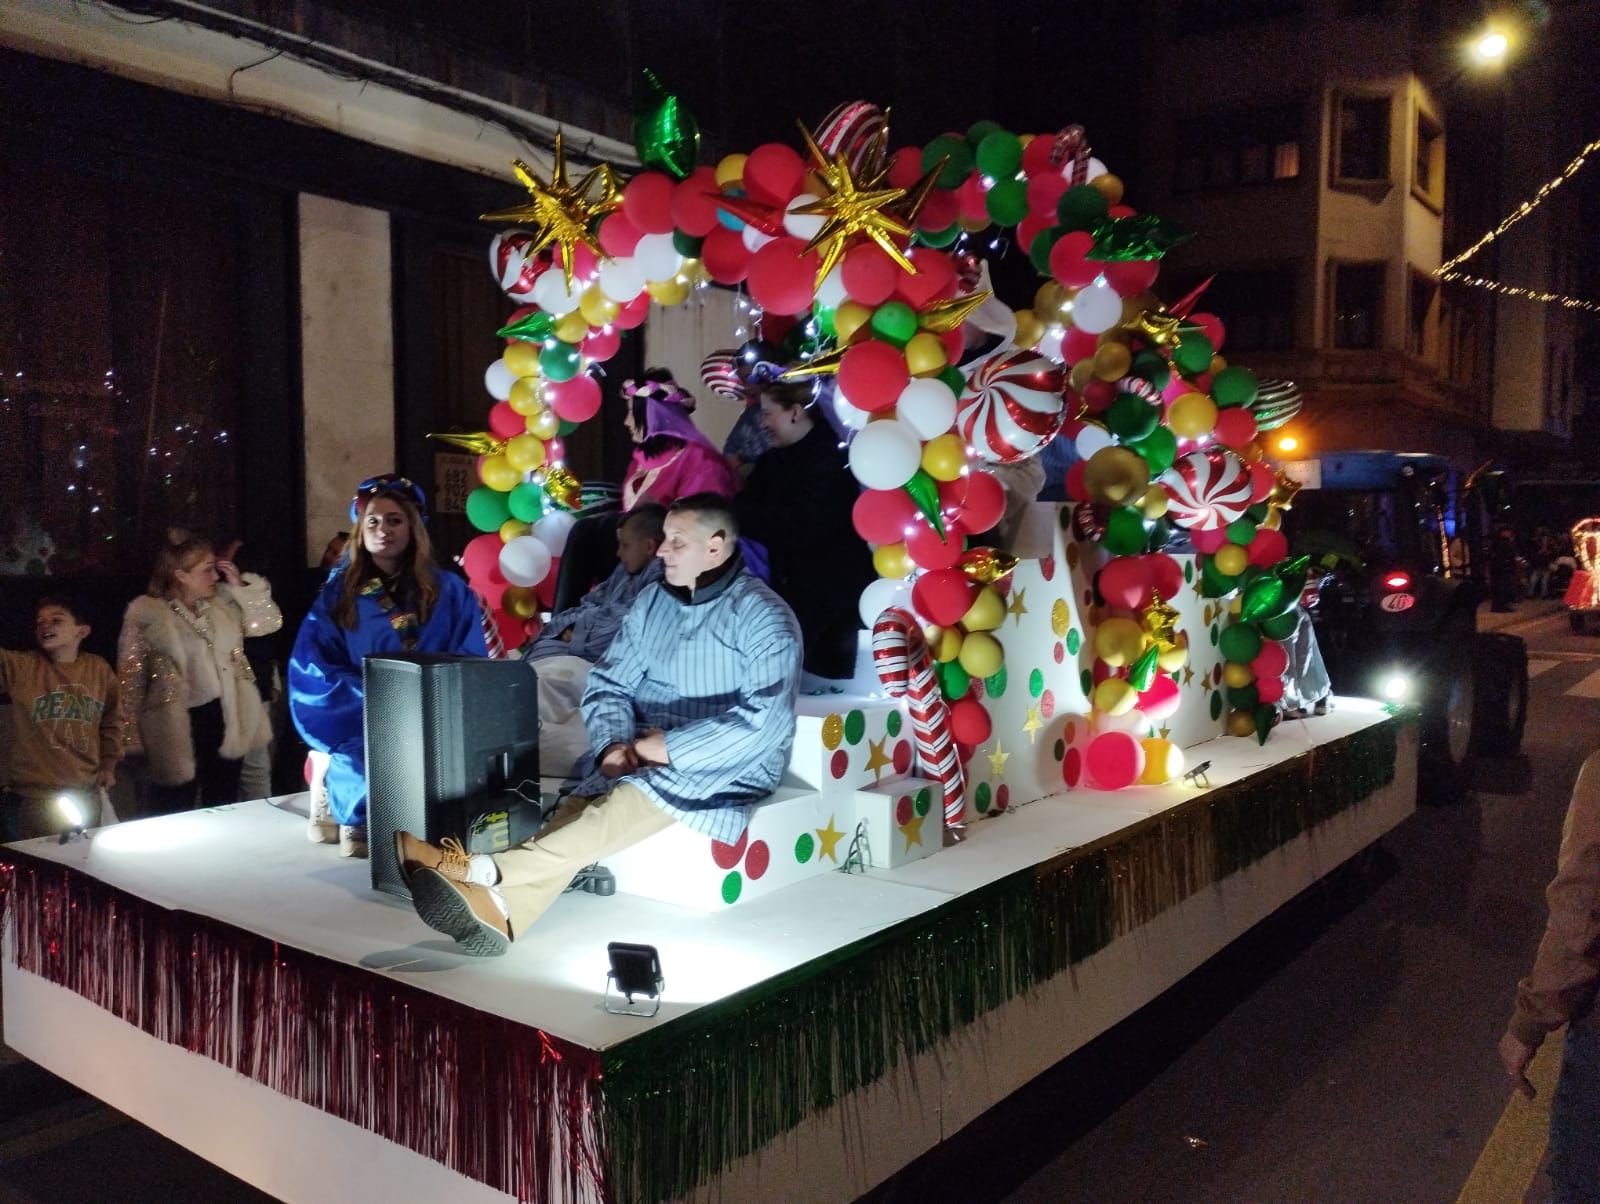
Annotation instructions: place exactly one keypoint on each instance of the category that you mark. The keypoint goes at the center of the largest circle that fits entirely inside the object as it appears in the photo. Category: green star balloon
(665, 133)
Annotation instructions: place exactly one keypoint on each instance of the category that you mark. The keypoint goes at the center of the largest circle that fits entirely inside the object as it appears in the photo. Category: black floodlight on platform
(635, 971)
(71, 808)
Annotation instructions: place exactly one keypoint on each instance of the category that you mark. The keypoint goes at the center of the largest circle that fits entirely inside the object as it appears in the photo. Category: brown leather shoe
(447, 857)
(463, 911)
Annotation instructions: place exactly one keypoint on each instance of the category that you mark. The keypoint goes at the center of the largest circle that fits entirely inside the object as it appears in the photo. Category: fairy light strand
(1531, 294)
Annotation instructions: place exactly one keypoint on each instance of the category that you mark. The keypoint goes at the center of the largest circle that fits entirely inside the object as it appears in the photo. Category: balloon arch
(850, 251)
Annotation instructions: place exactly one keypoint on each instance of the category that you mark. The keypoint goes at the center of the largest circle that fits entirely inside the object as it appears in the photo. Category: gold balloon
(855, 211)
(944, 457)
(987, 612)
(479, 443)
(1241, 723)
(730, 170)
(1081, 374)
(1112, 361)
(497, 473)
(1163, 761)
(570, 328)
(673, 291)
(981, 654)
(1231, 560)
(849, 317)
(890, 560)
(1114, 476)
(1029, 329)
(545, 424)
(525, 396)
(1119, 642)
(1114, 696)
(948, 646)
(522, 359)
(1237, 676)
(595, 308)
(1108, 186)
(1274, 518)
(925, 354)
(1217, 365)
(1154, 503)
(987, 565)
(1048, 298)
(524, 453)
(562, 488)
(1159, 621)
(1171, 658)
(512, 528)
(942, 316)
(521, 601)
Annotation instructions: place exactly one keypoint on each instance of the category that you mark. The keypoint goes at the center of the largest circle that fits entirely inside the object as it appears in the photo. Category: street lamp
(1491, 46)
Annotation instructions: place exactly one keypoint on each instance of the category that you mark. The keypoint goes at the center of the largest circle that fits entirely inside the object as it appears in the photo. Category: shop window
(1427, 169)
(1258, 306)
(1357, 305)
(1424, 291)
(1361, 144)
(1254, 146)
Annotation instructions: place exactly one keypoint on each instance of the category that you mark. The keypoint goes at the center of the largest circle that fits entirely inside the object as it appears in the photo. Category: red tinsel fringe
(499, 1102)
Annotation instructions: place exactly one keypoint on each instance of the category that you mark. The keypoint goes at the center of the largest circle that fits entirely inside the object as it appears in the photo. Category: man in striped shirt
(690, 715)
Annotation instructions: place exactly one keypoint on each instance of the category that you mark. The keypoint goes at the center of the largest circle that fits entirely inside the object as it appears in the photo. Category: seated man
(66, 731)
(691, 712)
(575, 638)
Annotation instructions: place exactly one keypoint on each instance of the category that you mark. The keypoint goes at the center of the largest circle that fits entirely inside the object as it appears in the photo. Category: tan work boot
(447, 857)
(353, 840)
(320, 828)
(464, 911)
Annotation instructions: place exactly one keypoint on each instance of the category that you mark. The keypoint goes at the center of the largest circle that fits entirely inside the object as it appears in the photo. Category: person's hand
(1515, 1056)
(106, 778)
(651, 747)
(229, 572)
(618, 760)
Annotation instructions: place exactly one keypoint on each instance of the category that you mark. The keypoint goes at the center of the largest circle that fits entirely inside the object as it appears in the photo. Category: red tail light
(1397, 581)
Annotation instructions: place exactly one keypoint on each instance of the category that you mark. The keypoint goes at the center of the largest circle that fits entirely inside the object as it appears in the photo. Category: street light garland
(1447, 270)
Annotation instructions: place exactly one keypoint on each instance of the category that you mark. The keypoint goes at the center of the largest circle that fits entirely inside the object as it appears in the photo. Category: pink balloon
(1208, 541)
(929, 551)
(481, 559)
(1269, 689)
(602, 344)
(781, 279)
(1268, 547)
(1161, 700)
(575, 400)
(1124, 583)
(1164, 574)
(868, 275)
(647, 201)
(1115, 760)
(1270, 662)
(884, 515)
(1213, 327)
(633, 313)
(504, 422)
(584, 263)
(872, 375)
(985, 503)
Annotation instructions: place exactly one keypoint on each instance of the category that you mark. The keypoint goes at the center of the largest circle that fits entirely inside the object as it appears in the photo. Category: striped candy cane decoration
(900, 655)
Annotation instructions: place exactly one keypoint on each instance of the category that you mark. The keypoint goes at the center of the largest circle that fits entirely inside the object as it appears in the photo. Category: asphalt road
(1344, 1050)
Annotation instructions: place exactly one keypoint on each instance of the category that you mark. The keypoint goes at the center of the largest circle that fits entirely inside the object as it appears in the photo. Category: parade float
(1066, 786)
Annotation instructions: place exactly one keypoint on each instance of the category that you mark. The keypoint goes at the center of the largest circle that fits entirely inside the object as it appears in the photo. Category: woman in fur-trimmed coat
(189, 697)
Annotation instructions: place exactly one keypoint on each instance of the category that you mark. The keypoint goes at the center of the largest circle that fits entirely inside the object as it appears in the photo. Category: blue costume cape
(325, 697)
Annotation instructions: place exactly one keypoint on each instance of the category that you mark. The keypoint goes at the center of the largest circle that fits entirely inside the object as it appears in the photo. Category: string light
(1530, 294)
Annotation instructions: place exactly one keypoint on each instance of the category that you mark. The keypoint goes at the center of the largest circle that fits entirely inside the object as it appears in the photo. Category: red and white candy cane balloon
(1207, 489)
(905, 667)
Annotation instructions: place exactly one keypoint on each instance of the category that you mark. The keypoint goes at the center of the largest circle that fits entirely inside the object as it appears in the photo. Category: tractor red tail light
(1397, 581)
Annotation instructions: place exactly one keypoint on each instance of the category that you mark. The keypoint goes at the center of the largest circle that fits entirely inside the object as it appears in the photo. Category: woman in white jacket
(189, 698)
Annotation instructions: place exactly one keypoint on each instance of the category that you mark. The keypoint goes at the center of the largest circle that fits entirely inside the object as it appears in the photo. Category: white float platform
(250, 867)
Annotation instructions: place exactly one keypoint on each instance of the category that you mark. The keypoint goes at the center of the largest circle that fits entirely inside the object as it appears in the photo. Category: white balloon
(1134, 721)
(524, 561)
(853, 416)
(830, 293)
(1097, 307)
(550, 293)
(621, 279)
(881, 595)
(498, 379)
(886, 454)
(927, 406)
(1050, 343)
(804, 225)
(657, 257)
(1096, 168)
(552, 530)
(1091, 439)
(754, 239)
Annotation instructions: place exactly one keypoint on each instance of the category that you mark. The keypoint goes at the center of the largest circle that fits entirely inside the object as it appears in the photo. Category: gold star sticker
(1033, 722)
(562, 213)
(1018, 608)
(827, 839)
(852, 214)
(912, 831)
(1195, 585)
(1188, 675)
(997, 760)
(877, 758)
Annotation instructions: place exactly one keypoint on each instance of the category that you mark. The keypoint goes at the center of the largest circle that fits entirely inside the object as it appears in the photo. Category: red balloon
(491, 591)
(1077, 345)
(1236, 426)
(781, 279)
(929, 551)
(1164, 574)
(619, 236)
(1269, 689)
(774, 173)
(1208, 541)
(939, 211)
(964, 752)
(1067, 262)
(1098, 395)
(694, 203)
(1213, 327)
(546, 588)
(905, 167)
(516, 315)
(602, 344)
(935, 278)
(985, 503)
(1268, 547)
(943, 596)
(1036, 156)
(481, 559)
(633, 313)
(1115, 760)
(971, 195)
(869, 276)
(1122, 211)
(504, 422)
(883, 515)
(872, 375)
(584, 263)
(954, 343)
(1161, 700)
(726, 258)
(575, 400)
(1271, 661)
(1044, 191)
(1076, 489)
(1133, 277)
(511, 632)
(1262, 480)
(1030, 227)
(969, 722)
(647, 201)
(1124, 583)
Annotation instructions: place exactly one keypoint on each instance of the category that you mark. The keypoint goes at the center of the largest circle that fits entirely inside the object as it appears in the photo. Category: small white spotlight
(71, 810)
(1396, 687)
(1491, 47)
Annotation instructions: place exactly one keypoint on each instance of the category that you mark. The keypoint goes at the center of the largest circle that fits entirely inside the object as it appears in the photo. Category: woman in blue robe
(386, 596)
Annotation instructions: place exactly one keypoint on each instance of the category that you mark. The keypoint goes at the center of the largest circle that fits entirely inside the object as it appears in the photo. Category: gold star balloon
(853, 211)
(940, 316)
(987, 565)
(1160, 622)
(479, 443)
(562, 488)
(1283, 491)
(1156, 326)
(562, 213)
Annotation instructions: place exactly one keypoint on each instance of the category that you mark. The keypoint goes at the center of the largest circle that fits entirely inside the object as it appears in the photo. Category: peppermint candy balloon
(719, 372)
(1012, 405)
(514, 269)
(851, 129)
(1207, 489)
(1276, 403)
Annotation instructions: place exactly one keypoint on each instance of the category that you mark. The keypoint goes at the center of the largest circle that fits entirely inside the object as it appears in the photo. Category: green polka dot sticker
(1074, 641)
(855, 723)
(732, 885)
(1216, 634)
(1216, 704)
(996, 685)
(1188, 570)
(1086, 680)
(924, 800)
(1036, 683)
(980, 798)
(893, 723)
(804, 847)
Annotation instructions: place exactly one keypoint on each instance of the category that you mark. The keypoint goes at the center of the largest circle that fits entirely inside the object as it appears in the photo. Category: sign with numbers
(455, 474)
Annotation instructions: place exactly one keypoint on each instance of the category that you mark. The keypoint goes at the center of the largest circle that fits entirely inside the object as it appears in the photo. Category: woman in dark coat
(797, 502)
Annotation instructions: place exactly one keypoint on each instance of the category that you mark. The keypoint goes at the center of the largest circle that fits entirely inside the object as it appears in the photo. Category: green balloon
(894, 322)
(1266, 717)
(979, 130)
(1132, 418)
(924, 491)
(952, 378)
(1234, 387)
(560, 361)
(1149, 365)
(1007, 202)
(1258, 513)
(1000, 155)
(954, 681)
(953, 149)
(1212, 583)
(1082, 208)
(1281, 627)
(1241, 531)
(1142, 673)
(1160, 535)
(526, 501)
(534, 328)
(940, 238)
(566, 428)
(1041, 246)
(1194, 353)
(1159, 449)
(487, 509)
(1240, 643)
(687, 245)
(823, 315)
(665, 134)
(1243, 698)
(1125, 532)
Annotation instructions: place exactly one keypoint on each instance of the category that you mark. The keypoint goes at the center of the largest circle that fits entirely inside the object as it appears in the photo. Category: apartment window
(1254, 146)
(1427, 169)
(1258, 306)
(1357, 305)
(1361, 148)
(1424, 292)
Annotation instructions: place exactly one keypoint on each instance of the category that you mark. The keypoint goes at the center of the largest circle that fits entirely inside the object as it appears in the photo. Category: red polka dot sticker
(1060, 652)
(757, 860)
(902, 757)
(1002, 797)
(1047, 566)
(728, 855)
(903, 809)
(1047, 704)
(1072, 768)
(840, 765)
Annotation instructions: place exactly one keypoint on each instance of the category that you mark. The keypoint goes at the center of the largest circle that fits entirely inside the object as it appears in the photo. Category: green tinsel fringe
(684, 1100)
